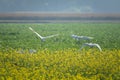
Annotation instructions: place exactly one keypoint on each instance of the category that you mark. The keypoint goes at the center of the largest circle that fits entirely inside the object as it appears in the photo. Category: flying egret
(91, 45)
(81, 37)
(41, 37)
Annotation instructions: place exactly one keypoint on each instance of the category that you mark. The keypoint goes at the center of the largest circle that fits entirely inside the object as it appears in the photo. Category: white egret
(32, 51)
(91, 45)
(41, 37)
(81, 37)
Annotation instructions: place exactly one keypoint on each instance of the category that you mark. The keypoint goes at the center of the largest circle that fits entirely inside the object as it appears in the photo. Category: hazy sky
(82, 6)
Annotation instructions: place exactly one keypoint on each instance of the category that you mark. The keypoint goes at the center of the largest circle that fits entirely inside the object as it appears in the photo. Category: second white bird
(91, 45)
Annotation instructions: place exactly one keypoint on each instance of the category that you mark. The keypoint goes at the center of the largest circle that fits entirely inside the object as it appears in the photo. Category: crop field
(24, 56)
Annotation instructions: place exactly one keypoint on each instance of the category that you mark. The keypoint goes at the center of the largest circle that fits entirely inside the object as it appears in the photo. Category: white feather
(41, 37)
(91, 45)
(81, 37)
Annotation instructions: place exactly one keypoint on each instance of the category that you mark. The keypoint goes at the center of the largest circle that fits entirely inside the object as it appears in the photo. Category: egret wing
(51, 36)
(36, 33)
(98, 46)
(90, 37)
(31, 29)
(86, 37)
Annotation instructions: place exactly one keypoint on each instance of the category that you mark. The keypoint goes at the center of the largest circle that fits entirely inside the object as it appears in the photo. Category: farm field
(60, 57)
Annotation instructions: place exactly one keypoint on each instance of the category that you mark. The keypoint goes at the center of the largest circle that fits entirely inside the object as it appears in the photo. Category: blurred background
(81, 6)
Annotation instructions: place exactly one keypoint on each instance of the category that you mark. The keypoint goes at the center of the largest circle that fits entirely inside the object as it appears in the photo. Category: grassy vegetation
(59, 58)
(19, 36)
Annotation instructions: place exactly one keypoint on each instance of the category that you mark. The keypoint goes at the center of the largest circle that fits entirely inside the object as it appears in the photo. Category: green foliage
(19, 36)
